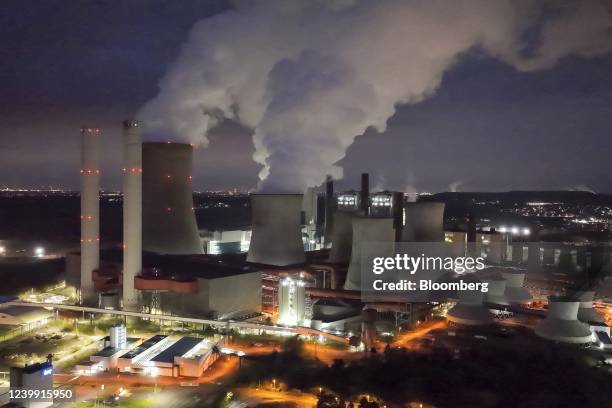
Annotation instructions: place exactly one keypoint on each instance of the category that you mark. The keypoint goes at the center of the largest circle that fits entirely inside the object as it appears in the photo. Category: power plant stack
(342, 235)
(364, 196)
(562, 324)
(276, 237)
(329, 210)
(169, 223)
(90, 213)
(424, 222)
(365, 231)
(132, 210)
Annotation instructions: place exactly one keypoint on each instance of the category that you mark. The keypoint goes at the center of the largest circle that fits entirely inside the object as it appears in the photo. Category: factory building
(38, 376)
(158, 355)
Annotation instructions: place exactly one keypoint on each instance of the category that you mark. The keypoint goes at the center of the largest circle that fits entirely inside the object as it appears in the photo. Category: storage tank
(169, 223)
(366, 230)
(276, 236)
(424, 222)
(561, 323)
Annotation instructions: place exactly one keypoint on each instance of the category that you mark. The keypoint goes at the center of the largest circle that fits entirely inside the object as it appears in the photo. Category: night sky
(488, 127)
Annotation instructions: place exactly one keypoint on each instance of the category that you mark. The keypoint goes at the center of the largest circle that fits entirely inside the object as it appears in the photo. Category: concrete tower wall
(169, 223)
(132, 210)
(276, 237)
(424, 222)
(90, 213)
(342, 235)
(561, 323)
(366, 230)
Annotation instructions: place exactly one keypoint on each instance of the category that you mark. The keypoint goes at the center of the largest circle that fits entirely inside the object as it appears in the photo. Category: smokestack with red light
(169, 223)
(132, 210)
(90, 213)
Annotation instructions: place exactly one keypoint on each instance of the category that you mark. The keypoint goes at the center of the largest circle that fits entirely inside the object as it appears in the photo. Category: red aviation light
(190, 178)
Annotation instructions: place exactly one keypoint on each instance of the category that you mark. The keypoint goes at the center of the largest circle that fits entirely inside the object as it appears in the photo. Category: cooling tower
(169, 223)
(424, 222)
(561, 322)
(366, 230)
(342, 235)
(586, 313)
(515, 292)
(90, 213)
(470, 309)
(497, 290)
(132, 210)
(276, 237)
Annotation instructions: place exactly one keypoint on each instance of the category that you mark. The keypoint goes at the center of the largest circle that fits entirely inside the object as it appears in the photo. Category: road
(405, 339)
(254, 396)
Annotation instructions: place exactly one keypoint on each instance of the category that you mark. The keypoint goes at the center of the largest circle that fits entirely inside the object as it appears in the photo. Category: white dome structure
(561, 324)
(424, 222)
(586, 313)
(515, 292)
(470, 310)
(366, 230)
(342, 235)
(276, 237)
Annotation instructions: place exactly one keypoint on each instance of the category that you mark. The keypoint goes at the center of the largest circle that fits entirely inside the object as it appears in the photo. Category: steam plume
(309, 76)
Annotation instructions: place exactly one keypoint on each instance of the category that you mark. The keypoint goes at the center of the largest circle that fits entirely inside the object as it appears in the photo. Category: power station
(304, 262)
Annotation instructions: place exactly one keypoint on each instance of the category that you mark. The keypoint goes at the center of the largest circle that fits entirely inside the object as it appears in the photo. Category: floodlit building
(562, 324)
(291, 302)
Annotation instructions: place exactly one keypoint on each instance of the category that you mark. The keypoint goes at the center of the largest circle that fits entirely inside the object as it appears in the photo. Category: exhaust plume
(309, 76)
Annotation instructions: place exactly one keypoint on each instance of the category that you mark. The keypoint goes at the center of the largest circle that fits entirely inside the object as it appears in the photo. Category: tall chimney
(397, 207)
(90, 213)
(276, 237)
(169, 223)
(364, 197)
(329, 209)
(132, 210)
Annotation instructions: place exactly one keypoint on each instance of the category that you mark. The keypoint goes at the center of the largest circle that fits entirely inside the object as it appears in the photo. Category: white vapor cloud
(309, 76)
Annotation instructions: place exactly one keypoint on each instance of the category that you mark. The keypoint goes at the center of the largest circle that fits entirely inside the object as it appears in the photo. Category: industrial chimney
(366, 230)
(342, 235)
(424, 222)
(364, 197)
(132, 210)
(330, 206)
(169, 223)
(561, 323)
(90, 213)
(276, 237)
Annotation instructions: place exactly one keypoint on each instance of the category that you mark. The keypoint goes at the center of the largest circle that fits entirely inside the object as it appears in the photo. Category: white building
(291, 302)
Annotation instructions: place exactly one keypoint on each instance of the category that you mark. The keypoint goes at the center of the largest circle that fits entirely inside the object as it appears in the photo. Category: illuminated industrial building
(291, 302)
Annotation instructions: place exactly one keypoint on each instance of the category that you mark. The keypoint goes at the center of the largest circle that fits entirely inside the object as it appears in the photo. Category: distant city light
(39, 251)
(526, 231)
(2, 250)
(503, 230)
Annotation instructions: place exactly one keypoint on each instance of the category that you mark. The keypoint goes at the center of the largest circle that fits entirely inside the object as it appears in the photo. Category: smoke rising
(309, 76)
